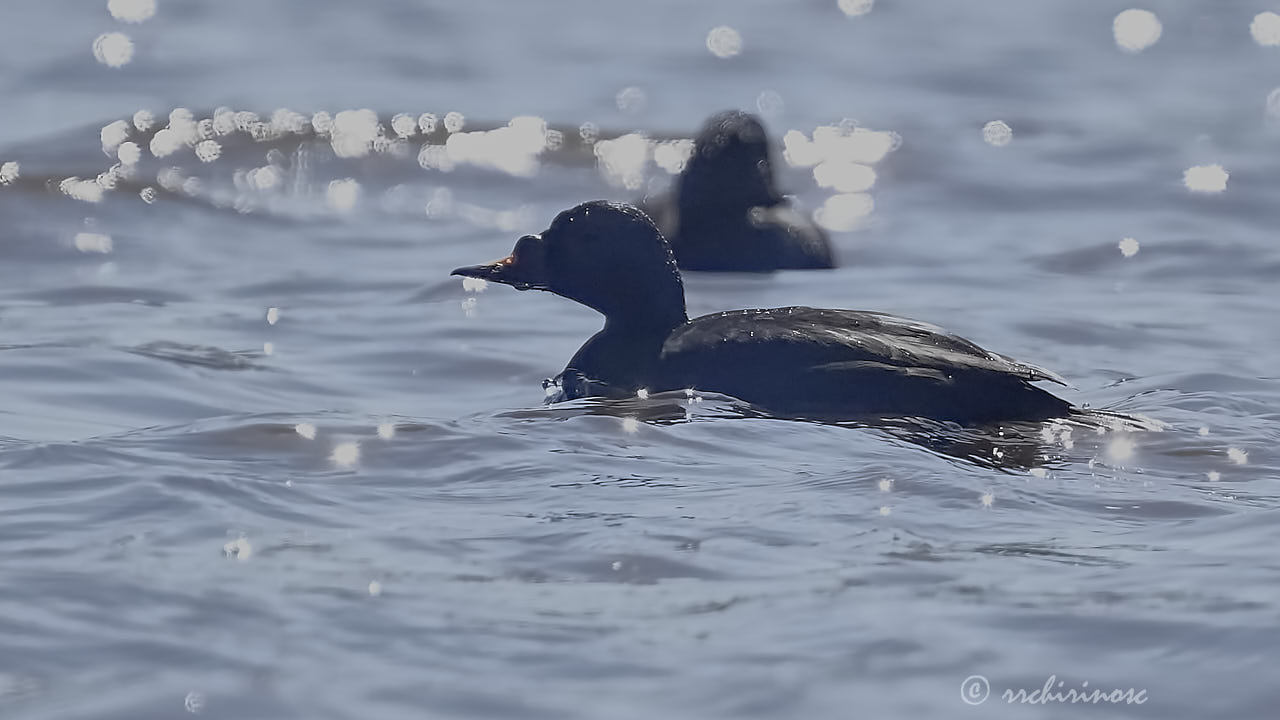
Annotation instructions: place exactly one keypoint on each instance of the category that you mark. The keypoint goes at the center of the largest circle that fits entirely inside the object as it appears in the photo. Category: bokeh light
(997, 133)
(1265, 29)
(87, 242)
(342, 195)
(631, 100)
(1205, 178)
(113, 49)
(853, 8)
(1136, 30)
(724, 42)
(132, 11)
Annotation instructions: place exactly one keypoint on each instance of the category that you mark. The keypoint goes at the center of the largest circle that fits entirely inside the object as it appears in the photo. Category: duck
(726, 213)
(798, 362)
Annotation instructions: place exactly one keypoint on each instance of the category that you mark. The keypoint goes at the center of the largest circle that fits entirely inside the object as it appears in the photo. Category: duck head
(730, 167)
(607, 256)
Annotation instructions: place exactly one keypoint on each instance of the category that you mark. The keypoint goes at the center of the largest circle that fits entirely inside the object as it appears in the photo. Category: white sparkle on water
(240, 549)
(386, 430)
(244, 120)
(306, 430)
(109, 177)
(631, 99)
(468, 307)
(643, 393)
(268, 348)
(345, 454)
(148, 195)
(885, 510)
(673, 155)
(997, 133)
(987, 498)
(1237, 456)
(170, 179)
(623, 159)
(87, 242)
(193, 702)
(1039, 472)
(83, 190)
(1213, 475)
(435, 157)
(132, 11)
(113, 134)
(9, 172)
(1205, 178)
(165, 142)
(844, 177)
(837, 143)
(1204, 431)
(353, 132)
(404, 125)
(342, 195)
(845, 211)
(513, 149)
(143, 120)
(273, 315)
(129, 153)
(1273, 104)
(375, 588)
(265, 177)
(1265, 29)
(1128, 247)
(724, 42)
(885, 485)
(1121, 449)
(630, 425)
(470, 284)
(853, 8)
(113, 49)
(1136, 30)
(284, 120)
(208, 150)
(769, 102)
(322, 123)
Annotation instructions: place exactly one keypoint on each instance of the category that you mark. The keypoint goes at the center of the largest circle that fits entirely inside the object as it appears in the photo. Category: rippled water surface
(261, 457)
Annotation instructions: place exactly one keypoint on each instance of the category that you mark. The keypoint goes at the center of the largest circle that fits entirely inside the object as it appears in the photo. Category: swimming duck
(790, 361)
(727, 214)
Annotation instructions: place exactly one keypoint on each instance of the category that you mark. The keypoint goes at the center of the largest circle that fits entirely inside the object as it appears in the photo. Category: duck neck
(620, 359)
(657, 319)
(708, 193)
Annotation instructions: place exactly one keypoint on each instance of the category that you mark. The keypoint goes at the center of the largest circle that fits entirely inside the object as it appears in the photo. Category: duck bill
(522, 270)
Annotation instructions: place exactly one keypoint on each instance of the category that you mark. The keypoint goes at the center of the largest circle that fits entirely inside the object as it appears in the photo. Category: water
(364, 510)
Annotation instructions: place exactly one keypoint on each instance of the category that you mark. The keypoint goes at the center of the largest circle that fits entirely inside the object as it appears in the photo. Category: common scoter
(793, 361)
(726, 213)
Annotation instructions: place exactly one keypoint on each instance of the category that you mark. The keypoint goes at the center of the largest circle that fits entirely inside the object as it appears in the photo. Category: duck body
(791, 361)
(818, 362)
(726, 213)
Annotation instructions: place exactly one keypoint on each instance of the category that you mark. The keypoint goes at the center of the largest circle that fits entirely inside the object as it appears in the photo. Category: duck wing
(863, 362)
